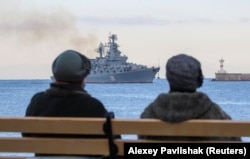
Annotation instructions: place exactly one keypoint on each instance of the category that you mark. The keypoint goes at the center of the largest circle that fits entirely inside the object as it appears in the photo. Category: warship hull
(140, 76)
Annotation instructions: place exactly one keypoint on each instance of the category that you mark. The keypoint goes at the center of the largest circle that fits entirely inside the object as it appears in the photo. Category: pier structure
(222, 74)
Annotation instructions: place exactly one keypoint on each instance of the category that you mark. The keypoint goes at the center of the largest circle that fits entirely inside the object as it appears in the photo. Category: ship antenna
(100, 49)
(113, 37)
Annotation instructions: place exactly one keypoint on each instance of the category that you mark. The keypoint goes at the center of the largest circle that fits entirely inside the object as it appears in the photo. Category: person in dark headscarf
(183, 101)
(66, 96)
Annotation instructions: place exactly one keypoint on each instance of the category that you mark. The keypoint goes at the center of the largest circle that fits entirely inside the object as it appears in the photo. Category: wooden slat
(72, 146)
(52, 125)
(60, 146)
(95, 126)
(126, 126)
(188, 128)
(56, 146)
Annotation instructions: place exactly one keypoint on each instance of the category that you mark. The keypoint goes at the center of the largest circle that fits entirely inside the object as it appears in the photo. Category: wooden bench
(100, 146)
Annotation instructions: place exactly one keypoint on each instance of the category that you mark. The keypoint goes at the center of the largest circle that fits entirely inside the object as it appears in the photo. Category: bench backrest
(100, 146)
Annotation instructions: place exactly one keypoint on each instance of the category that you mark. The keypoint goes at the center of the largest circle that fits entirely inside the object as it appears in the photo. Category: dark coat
(177, 107)
(64, 100)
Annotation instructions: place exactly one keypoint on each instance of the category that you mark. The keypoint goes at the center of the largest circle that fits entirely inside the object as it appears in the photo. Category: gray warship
(112, 67)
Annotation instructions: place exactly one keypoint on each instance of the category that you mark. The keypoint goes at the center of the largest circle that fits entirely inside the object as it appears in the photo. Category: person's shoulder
(215, 111)
(38, 94)
(97, 101)
(93, 100)
(96, 105)
(162, 95)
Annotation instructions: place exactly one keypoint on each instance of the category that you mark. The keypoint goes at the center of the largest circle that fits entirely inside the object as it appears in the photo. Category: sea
(128, 100)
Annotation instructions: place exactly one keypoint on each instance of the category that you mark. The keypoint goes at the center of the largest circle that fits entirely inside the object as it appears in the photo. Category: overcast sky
(34, 32)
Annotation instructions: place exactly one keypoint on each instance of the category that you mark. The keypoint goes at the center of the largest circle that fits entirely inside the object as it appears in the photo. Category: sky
(34, 32)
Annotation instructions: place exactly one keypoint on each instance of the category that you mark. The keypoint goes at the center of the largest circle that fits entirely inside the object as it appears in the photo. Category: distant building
(222, 75)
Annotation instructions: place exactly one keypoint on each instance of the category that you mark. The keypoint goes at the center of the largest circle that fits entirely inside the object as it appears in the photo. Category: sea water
(128, 100)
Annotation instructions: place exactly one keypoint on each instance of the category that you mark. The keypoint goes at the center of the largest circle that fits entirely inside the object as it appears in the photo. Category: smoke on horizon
(30, 34)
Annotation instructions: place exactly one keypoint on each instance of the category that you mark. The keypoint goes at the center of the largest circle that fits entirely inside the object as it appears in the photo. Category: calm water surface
(128, 100)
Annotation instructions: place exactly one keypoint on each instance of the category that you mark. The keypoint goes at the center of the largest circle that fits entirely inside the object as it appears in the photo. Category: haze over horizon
(34, 32)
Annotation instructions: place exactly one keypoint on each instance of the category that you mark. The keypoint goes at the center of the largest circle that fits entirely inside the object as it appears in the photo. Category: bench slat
(188, 128)
(52, 125)
(126, 126)
(56, 146)
(60, 125)
(61, 146)
(71, 146)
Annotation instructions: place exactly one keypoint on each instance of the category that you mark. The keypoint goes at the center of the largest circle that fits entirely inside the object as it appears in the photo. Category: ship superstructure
(112, 67)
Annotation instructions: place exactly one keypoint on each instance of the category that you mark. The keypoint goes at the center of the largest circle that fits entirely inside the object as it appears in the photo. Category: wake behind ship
(112, 67)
